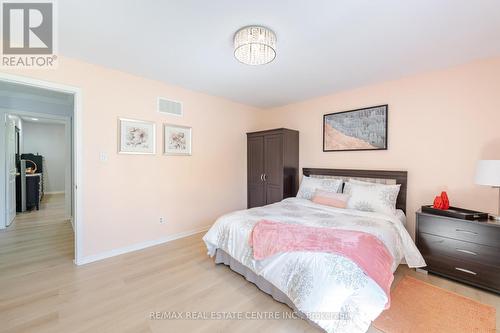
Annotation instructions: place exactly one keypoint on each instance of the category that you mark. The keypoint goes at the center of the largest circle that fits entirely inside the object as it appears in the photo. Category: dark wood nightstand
(466, 251)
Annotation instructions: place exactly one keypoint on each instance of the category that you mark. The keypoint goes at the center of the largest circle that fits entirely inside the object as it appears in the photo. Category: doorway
(37, 165)
(39, 155)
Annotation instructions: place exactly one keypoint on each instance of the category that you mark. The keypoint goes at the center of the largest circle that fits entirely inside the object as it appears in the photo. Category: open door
(11, 170)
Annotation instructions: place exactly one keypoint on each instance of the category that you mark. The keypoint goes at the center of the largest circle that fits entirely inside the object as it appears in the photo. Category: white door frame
(77, 149)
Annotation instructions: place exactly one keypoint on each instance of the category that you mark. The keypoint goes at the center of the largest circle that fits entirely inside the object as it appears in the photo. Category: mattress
(222, 257)
(328, 289)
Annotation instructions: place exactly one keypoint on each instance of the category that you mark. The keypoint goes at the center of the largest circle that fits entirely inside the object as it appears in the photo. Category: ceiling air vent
(169, 107)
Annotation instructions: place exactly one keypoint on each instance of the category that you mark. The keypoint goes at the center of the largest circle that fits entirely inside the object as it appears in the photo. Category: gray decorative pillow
(373, 197)
(309, 185)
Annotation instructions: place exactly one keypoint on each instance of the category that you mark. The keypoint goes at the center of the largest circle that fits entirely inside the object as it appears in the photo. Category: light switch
(103, 157)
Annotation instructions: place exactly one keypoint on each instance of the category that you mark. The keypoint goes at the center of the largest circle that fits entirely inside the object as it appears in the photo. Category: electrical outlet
(163, 220)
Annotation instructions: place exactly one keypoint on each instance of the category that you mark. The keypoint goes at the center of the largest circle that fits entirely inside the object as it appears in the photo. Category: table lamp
(488, 174)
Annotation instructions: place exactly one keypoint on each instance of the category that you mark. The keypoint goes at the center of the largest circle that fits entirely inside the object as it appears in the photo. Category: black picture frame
(386, 132)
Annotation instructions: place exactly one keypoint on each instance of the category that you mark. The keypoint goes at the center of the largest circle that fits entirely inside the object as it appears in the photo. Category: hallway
(37, 240)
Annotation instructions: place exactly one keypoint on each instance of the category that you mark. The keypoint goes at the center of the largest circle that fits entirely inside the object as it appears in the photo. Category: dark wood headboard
(401, 177)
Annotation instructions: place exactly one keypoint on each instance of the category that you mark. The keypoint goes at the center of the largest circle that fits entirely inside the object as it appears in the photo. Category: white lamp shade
(488, 173)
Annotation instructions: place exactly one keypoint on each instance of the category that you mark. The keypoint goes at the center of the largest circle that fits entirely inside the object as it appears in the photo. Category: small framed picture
(176, 140)
(136, 136)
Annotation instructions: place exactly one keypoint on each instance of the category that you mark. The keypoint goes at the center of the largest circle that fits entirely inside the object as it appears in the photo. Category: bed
(328, 290)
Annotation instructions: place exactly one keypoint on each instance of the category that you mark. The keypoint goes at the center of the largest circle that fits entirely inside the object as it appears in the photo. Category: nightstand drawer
(467, 231)
(441, 246)
(481, 275)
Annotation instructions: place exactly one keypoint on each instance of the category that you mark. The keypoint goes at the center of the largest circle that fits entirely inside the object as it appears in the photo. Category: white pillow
(377, 198)
(347, 186)
(309, 185)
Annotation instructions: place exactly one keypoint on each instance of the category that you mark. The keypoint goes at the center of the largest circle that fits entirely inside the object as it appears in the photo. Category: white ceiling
(323, 45)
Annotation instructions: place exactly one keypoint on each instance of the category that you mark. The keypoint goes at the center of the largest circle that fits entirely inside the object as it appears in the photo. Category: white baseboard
(137, 246)
(421, 271)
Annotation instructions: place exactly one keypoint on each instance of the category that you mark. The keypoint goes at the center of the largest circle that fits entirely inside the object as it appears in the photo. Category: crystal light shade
(255, 45)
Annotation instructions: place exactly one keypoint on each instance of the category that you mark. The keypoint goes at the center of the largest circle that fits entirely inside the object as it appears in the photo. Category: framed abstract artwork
(360, 129)
(136, 136)
(176, 140)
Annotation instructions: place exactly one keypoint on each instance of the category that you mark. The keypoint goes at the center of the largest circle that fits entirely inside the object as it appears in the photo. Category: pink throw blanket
(366, 250)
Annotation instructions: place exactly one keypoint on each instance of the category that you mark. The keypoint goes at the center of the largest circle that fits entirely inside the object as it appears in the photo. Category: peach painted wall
(440, 124)
(125, 196)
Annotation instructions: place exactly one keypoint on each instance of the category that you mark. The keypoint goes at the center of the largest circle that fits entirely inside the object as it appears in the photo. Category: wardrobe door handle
(465, 271)
(261, 177)
(466, 251)
(265, 177)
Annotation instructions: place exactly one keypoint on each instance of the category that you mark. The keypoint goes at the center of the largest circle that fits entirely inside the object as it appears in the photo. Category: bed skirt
(221, 257)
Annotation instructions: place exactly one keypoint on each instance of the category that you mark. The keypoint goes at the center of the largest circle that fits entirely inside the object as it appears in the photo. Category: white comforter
(329, 289)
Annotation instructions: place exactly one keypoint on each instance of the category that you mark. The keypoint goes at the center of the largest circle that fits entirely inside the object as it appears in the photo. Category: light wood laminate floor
(42, 291)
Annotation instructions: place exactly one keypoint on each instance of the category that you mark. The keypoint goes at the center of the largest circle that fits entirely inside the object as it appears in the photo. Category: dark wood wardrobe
(272, 166)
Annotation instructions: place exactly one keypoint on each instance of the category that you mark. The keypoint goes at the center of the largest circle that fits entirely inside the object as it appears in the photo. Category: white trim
(77, 146)
(138, 246)
(68, 169)
(421, 271)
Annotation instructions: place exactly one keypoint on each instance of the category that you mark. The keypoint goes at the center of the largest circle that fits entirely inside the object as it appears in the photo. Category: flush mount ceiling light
(255, 45)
